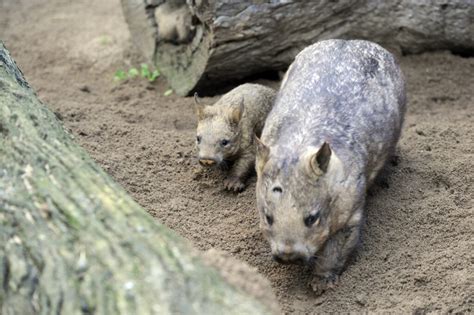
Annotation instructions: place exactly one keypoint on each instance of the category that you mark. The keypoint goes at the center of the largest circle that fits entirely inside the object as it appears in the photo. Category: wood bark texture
(234, 39)
(73, 242)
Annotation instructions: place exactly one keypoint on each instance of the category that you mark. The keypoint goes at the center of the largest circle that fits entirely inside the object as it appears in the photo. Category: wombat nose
(278, 259)
(289, 258)
(207, 162)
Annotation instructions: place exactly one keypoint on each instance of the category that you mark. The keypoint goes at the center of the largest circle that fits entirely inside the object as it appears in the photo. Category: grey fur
(350, 95)
(237, 117)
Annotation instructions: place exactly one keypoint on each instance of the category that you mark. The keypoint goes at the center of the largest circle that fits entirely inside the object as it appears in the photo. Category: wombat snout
(294, 261)
(288, 254)
(207, 162)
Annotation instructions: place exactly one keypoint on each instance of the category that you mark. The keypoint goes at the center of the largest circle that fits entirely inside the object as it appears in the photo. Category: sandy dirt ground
(417, 252)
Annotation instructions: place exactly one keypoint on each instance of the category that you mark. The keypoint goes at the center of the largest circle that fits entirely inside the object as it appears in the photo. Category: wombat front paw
(322, 284)
(234, 183)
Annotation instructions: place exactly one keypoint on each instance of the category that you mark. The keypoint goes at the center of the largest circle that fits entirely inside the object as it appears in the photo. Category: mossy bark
(235, 39)
(73, 242)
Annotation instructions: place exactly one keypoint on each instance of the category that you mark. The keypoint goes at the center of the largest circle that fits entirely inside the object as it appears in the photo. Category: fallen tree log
(220, 40)
(74, 242)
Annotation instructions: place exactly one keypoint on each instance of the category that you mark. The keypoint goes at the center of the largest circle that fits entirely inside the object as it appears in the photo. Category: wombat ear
(199, 107)
(236, 112)
(319, 161)
(263, 152)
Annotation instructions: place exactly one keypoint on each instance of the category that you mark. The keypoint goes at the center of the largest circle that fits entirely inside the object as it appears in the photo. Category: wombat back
(341, 85)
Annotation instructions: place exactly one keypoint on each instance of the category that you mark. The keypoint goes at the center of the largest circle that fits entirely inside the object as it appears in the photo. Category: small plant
(120, 75)
(146, 73)
(132, 73)
(105, 40)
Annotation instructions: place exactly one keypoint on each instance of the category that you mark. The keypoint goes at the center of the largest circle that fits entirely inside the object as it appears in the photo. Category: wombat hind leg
(382, 178)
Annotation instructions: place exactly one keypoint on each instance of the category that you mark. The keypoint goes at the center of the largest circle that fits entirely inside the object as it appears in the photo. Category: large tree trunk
(234, 39)
(73, 242)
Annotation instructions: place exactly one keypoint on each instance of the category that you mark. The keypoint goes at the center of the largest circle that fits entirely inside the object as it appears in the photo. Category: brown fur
(236, 118)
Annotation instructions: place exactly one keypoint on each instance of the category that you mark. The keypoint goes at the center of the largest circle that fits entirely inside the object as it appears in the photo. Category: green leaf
(168, 92)
(144, 71)
(120, 75)
(133, 72)
(105, 40)
(155, 74)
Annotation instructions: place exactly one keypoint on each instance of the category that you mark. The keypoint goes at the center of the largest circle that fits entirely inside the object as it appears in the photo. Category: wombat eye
(198, 139)
(277, 189)
(269, 219)
(224, 142)
(311, 219)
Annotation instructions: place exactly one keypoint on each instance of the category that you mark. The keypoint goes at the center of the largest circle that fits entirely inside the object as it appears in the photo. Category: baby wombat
(336, 119)
(225, 131)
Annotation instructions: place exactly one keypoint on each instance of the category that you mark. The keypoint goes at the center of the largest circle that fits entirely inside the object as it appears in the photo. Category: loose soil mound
(417, 251)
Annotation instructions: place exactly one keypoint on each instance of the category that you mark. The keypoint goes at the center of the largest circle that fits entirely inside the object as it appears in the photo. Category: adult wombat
(225, 131)
(336, 119)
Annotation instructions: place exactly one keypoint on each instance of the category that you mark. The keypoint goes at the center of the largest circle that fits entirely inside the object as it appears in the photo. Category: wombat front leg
(240, 171)
(332, 258)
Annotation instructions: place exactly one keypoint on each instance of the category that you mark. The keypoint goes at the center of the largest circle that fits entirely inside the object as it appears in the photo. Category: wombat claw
(320, 285)
(234, 183)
